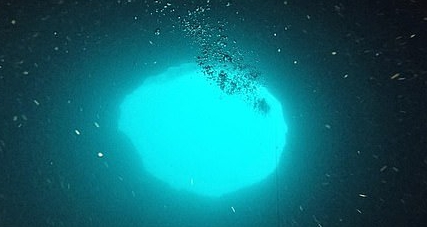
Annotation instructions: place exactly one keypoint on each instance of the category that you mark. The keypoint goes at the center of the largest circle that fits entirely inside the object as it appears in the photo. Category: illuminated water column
(195, 137)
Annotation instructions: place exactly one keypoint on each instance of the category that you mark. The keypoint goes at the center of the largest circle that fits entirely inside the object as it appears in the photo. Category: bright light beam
(194, 137)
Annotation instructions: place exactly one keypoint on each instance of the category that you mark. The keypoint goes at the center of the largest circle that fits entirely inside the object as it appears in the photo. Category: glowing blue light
(194, 137)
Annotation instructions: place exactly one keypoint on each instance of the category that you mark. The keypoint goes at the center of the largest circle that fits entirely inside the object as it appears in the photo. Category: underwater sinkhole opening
(195, 137)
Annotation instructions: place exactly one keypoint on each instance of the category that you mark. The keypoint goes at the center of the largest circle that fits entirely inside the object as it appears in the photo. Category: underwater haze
(213, 113)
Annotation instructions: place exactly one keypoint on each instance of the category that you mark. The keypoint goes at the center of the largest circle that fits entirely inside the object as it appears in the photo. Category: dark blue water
(351, 77)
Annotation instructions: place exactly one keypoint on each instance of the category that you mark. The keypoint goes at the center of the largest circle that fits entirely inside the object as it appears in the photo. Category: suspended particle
(396, 75)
